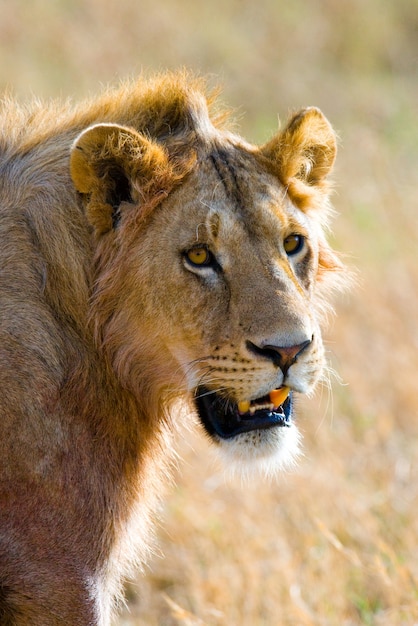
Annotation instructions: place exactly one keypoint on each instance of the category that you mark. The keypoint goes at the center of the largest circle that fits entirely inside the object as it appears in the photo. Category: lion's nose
(282, 356)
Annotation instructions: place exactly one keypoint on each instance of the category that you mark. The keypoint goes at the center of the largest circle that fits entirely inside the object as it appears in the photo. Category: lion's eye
(199, 256)
(293, 244)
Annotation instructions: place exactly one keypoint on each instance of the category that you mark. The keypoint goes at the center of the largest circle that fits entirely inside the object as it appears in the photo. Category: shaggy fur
(105, 331)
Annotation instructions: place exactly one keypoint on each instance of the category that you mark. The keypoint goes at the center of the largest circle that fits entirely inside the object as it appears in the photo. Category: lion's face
(221, 279)
(234, 266)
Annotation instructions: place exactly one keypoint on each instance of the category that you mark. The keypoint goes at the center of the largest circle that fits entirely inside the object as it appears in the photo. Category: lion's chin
(260, 453)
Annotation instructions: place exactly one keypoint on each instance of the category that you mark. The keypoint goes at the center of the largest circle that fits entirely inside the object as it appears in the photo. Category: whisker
(187, 368)
(218, 390)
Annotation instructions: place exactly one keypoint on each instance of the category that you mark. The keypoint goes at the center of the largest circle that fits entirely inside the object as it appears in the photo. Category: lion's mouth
(220, 416)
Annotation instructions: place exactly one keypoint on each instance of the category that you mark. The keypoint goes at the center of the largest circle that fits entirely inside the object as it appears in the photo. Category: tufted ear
(302, 156)
(111, 165)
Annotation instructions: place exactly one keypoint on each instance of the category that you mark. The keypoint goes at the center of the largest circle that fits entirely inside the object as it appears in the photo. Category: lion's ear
(302, 155)
(111, 165)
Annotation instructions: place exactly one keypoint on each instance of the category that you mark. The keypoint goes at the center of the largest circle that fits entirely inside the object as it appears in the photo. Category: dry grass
(336, 542)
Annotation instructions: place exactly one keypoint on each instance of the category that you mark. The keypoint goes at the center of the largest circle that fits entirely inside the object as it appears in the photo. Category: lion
(156, 269)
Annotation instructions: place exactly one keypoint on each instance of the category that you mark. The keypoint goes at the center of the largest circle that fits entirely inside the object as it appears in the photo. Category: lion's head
(211, 265)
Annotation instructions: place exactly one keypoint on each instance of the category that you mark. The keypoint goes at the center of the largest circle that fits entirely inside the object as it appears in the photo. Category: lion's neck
(126, 449)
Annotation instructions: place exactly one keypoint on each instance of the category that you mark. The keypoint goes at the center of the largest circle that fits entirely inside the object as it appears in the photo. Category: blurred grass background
(334, 543)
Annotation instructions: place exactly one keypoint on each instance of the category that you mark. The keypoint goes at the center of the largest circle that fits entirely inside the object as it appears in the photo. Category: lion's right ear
(302, 155)
(111, 165)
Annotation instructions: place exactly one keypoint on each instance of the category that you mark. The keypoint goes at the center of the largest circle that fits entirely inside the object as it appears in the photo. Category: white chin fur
(264, 452)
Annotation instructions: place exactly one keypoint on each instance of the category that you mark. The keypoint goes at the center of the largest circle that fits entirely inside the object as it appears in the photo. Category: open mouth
(220, 416)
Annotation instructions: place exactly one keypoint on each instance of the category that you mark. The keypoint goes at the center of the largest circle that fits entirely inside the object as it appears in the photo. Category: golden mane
(153, 105)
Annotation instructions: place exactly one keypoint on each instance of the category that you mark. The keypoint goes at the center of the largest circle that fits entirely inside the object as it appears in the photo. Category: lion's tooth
(243, 406)
(278, 396)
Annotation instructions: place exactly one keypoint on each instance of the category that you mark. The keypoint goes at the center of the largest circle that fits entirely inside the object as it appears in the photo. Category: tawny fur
(88, 387)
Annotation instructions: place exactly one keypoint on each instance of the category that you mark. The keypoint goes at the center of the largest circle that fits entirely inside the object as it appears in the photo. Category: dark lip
(220, 416)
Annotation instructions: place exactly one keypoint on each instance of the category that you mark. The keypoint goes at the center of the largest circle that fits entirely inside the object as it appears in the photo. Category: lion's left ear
(111, 165)
(302, 156)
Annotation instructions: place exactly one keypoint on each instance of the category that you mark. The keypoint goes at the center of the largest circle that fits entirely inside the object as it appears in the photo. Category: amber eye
(199, 256)
(293, 244)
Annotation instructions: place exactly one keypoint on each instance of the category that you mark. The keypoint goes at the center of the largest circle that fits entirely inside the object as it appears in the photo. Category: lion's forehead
(230, 193)
(239, 175)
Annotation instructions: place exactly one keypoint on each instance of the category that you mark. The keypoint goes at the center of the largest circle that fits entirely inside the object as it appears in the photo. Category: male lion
(150, 262)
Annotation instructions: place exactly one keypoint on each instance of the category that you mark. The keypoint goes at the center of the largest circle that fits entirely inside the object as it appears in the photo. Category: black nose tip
(282, 356)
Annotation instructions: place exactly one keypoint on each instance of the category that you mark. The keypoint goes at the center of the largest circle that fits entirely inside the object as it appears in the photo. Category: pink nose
(291, 352)
(287, 355)
(283, 356)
